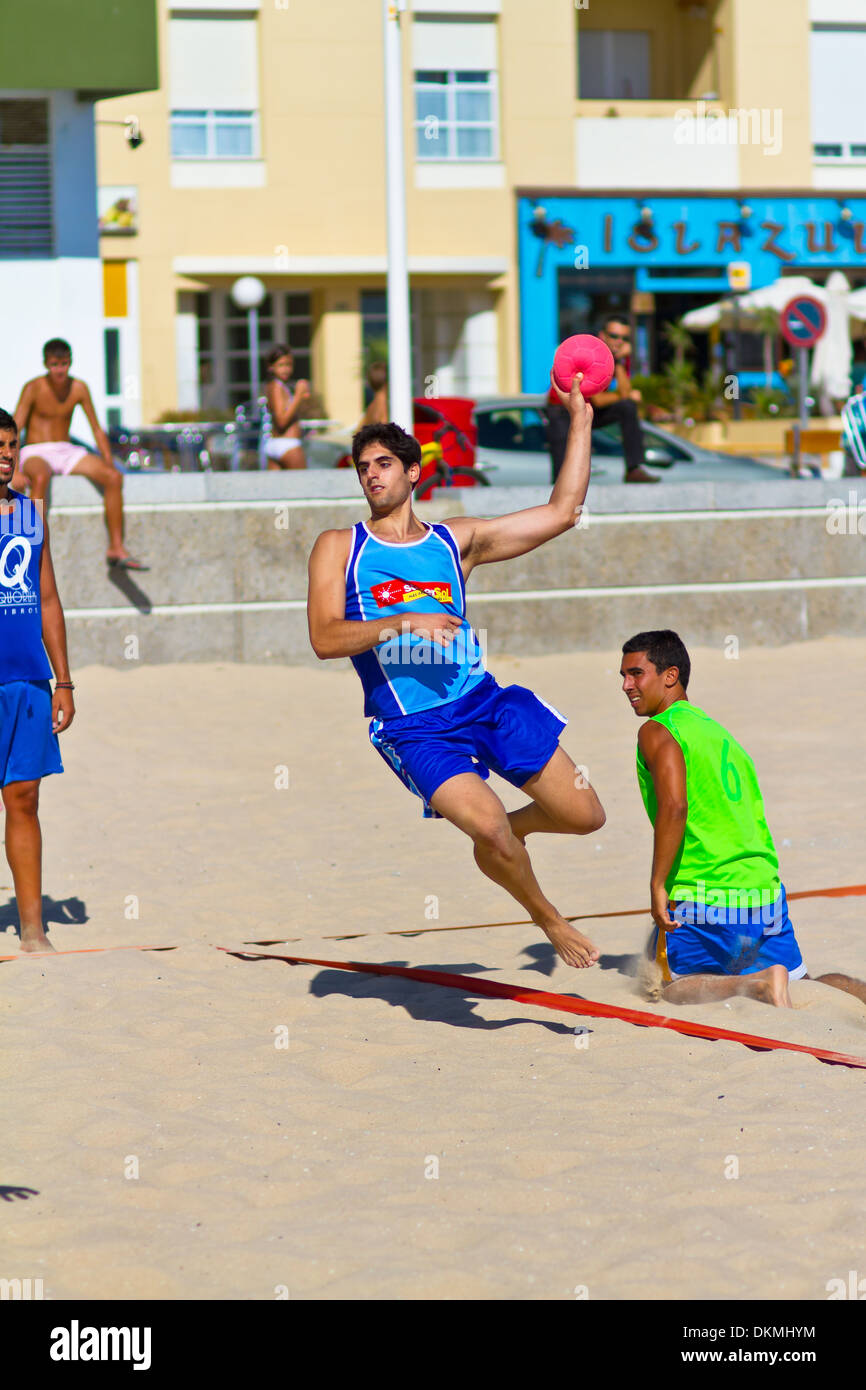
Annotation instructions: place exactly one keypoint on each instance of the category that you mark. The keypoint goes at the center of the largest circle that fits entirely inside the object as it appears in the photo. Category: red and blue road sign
(802, 321)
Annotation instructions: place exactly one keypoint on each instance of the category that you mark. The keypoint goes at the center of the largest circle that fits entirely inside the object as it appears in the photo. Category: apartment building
(60, 60)
(563, 158)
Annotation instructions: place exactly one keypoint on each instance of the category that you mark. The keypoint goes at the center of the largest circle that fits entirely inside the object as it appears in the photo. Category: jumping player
(719, 907)
(31, 623)
(44, 410)
(390, 594)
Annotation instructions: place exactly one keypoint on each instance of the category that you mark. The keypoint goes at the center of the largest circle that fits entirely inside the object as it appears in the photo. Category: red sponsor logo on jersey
(403, 591)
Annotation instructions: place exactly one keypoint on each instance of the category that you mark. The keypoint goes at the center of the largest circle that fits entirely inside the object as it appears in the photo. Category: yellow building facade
(263, 154)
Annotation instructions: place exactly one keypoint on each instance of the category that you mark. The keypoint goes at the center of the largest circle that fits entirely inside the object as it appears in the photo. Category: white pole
(399, 342)
(253, 324)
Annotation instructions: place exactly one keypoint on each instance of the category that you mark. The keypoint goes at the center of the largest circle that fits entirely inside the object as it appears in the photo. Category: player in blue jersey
(32, 630)
(390, 594)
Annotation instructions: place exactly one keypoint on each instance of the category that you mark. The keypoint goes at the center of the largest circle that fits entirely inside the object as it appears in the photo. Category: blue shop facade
(652, 258)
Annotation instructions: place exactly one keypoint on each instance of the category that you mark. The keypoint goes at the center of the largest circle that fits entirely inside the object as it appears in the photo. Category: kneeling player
(720, 911)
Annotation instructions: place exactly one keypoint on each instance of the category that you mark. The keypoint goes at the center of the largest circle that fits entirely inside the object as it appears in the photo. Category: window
(455, 115)
(374, 336)
(225, 379)
(26, 224)
(456, 90)
(213, 87)
(838, 56)
(613, 64)
(213, 135)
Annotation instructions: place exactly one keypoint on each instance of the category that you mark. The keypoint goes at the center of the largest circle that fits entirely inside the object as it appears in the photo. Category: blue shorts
(28, 748)
(510, 731)
(728, 941)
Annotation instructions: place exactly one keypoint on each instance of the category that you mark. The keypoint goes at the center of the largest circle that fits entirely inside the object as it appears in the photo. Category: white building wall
(651, 152)
(59, 298)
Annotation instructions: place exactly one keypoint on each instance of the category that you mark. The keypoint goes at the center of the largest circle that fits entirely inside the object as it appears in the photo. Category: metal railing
(202, 446)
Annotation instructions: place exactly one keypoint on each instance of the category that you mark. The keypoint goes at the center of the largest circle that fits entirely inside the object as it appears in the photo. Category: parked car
(512, 448)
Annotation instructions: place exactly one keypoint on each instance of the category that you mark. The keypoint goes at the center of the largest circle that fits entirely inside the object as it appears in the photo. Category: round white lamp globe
(248, 292)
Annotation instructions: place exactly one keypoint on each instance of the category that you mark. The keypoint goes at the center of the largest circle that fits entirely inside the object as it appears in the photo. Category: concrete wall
(229, 568)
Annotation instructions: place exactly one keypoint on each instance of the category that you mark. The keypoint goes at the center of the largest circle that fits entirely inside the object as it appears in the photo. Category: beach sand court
(185, 1124)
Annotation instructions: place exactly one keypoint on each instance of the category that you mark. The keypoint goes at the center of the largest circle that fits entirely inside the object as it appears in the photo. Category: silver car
(512, 449)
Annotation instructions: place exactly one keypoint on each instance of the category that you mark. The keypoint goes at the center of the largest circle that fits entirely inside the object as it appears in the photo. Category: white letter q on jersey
(16, 577)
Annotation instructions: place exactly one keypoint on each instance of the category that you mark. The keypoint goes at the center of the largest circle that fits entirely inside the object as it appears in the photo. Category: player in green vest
(719, 907)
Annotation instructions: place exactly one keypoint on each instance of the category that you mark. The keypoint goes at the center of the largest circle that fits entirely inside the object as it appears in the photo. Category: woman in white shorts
(285, 447)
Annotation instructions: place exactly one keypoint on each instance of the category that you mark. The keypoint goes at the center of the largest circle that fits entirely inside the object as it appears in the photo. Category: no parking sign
(803, 321)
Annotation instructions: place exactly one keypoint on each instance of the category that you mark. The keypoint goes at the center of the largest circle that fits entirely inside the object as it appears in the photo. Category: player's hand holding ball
(574, 400)
(585, 359)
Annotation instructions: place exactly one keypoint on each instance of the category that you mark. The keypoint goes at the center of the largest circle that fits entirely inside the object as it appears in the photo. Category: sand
(569, 1165)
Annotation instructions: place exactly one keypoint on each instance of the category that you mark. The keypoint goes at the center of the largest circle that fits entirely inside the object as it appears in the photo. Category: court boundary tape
(854, 890)
(562, 1003)
(81, 951)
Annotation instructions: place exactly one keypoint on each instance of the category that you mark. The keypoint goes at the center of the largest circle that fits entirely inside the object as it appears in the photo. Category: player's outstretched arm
(482, 542)
(331, 633)
(664, 758)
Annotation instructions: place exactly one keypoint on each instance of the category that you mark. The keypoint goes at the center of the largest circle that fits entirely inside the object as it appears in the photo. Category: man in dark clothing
(616, 406)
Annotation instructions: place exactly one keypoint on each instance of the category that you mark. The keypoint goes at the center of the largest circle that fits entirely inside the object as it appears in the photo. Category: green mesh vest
(727, 855)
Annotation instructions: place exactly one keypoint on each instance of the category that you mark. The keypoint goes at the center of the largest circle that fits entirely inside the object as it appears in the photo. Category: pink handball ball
(583, 353)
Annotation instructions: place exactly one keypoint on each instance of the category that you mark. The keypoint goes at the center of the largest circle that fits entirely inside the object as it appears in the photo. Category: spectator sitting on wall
(616, 406)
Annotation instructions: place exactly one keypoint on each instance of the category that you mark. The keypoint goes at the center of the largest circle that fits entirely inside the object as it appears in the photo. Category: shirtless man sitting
(44, 410)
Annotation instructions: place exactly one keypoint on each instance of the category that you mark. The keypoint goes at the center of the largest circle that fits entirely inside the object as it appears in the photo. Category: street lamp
(248, 293)
(399, 342)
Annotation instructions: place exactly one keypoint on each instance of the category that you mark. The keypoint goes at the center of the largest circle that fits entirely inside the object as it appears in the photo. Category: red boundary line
(83, 951)
(854, 890)
(563, 1003)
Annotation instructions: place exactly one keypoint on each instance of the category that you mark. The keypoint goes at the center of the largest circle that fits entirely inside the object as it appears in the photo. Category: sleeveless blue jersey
(409, 673)
(22, 654)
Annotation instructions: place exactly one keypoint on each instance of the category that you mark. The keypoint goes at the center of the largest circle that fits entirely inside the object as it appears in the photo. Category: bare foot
(33, 941)
(574, 948)
(770, 986)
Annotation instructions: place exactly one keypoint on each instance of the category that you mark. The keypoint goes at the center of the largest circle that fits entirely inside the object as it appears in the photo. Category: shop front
(653, 258)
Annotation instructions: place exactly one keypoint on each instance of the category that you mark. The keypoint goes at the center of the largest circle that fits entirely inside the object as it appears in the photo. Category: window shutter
(444, 47)
(213, 64)
(26, 224)
(837, 65)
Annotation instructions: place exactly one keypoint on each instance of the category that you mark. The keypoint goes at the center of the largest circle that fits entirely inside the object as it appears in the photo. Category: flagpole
(399, 339)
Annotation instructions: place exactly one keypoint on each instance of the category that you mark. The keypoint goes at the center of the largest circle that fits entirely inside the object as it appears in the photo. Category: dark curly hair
(403, 446)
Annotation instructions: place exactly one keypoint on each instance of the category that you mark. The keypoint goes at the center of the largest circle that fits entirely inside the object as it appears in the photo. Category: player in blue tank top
(390, 593)
(32, 630)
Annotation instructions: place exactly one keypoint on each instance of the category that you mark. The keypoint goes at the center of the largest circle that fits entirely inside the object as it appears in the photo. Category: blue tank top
(22, 654)
(409, 673)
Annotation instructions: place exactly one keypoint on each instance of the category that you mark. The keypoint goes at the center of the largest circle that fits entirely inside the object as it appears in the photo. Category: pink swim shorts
(60, 455)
